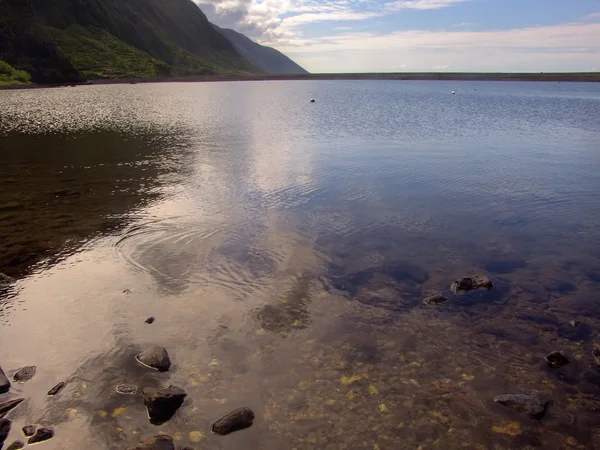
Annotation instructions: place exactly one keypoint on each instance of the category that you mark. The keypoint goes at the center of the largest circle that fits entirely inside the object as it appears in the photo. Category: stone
(236, 420)
(465, 284)
(574, 322)
(126, 389)
(185, 448)
(557, 359)
(162, 404)
(8, 405)
(29, 430)
(530, 405)
(435, 299)
(150, 320)
(56, 389)
(155, 358)
(596, 355)
(41, 435)
(159, 442)
(5, 425)
(24, 374)
(17, 445)
(4, 383)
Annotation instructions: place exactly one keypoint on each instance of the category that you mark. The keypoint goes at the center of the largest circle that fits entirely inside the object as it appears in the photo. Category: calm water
(285, 249)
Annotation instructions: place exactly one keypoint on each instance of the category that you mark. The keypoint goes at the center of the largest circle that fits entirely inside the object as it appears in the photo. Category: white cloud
(422, 4)
(593, 16)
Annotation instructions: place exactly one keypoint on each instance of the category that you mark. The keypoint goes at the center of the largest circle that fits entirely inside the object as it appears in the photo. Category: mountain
(70, 40)
(266, 58)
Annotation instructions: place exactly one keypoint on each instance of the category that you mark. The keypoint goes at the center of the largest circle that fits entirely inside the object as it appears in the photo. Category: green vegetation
(11, 76)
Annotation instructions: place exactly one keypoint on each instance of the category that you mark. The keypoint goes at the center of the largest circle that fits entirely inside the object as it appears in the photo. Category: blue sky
(422, 35)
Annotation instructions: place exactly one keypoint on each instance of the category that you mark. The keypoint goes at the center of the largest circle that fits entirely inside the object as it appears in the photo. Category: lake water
(285, 248)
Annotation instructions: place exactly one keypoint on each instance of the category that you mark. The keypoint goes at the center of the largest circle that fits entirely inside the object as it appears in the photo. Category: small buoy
(453, 92)
(312, 100)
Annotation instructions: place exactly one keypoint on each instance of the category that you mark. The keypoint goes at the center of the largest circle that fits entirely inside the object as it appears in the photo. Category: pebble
(29, 430)
(9, 404)
(236, 420)
(56, 389)
(17, 445)
(159, 442)
(155, 358)
(162, 404)
(4, 383)
(557, 359)
(42, 434)
(530, 405)
(24, 374)
(150, 320)
(435, 299)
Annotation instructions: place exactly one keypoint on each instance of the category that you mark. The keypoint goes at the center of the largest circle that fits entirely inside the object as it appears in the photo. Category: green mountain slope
(266, 58)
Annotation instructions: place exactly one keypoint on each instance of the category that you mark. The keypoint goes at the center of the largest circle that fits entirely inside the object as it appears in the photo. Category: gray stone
(162, 404)
(159, 442)
(530, 405)
(5, 425)
(126, 389)
(155, 358)
(41, 435)
(435, 299)
(56, 389)
(236, 420)
(17, 445)
(557, 359)
(9, 404)
(465, 284)
(4, 383)
(24, 374)
(29, 430)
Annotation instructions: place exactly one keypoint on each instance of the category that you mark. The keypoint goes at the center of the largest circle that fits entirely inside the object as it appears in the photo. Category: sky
(421, 35)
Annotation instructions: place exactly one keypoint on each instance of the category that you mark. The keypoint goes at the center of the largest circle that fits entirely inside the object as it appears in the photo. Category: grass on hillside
(10, 76)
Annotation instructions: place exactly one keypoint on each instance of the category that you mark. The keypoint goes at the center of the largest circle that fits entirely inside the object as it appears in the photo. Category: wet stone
(150, 320)
(465, 284)
(56, 389)
(42, 434)
(162, 404)
(16, 445)
(155, 358)
(4, 383)
(29, 430)
(530, 405)
(10, 404)
(596, 355)
(159, 442)
(239, 419)
(557, 359)
(24, 374)
(435, 299)
(5, 425)
(126, 389)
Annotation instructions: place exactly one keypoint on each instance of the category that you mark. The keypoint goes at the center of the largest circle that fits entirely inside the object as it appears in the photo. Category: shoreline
(587, 77)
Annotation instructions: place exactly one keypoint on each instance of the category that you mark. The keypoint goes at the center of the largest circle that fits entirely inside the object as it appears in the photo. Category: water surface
(285, 248)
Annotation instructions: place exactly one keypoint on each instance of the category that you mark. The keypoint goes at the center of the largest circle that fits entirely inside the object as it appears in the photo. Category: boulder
(41, 435)
(159, 442)
(4, 383)
(29, 430)
(465, 284)
(56, 389)
(236, 420)
(5, 425)
(17, 445)
(530, 405)
(8, 405)
(155, 358)
(557, 359)
(162, 404)
(24, 374)
(435, 299)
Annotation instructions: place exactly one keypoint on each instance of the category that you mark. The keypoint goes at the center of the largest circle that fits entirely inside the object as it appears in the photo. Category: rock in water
(17, 445)
(8, 405)
(5, 425)
(162, 404)
(557, 359)
(234, 421)
(596, 355)
(4, 383)
(56, 389)
(24, 374)
(435, 299)
(465, 284)
(42, 434)
(530, 405)
(160, 442)
(155, 358)
(150, 320)
(126, 389)
(29, 430)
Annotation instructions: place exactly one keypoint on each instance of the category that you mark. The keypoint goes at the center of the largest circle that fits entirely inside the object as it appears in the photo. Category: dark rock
(24, 374)
(17, 445)
(126, 389)
(29, 430)
(435, 299)
(5, 425)
(150, 320)
(557, 359)
(160, 442)
(596, 355)
(465, 284)
(5, 279)
(155, 358)
(236, 420)
(56, 389)
(530, 405)
(162, 404)
(42, 434)
(4, 383)
(8, 405)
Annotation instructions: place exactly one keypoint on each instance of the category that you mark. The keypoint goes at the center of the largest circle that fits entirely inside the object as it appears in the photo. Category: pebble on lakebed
(126, 389)
(24, 374)
(162, 404)
(435, 299)
(42, 434)
(239, 419)
(5, 425)
(4, 383)
(9, 404)
(596, 354)
(150, 320)
(530, 405)
(17, 445)
(159, 442)
(465, 284)
(155, 358)
(557, 359)
(29, 430)
(56, 389)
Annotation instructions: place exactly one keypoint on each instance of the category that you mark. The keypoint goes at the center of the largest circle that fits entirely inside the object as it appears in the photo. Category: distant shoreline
(422, 76)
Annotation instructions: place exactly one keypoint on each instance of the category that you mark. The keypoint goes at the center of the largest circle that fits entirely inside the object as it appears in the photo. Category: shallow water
(285, 248)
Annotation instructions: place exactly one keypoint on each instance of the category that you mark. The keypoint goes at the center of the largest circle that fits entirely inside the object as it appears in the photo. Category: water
(285, 248)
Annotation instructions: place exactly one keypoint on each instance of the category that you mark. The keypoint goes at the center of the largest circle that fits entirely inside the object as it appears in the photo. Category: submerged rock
(159, 442)
(29, 430)
(596, 355)
(150, 320)
(126, 389)
(17, 445)
(465, 284)
(42, 434)
(56, 389)
(435, 299)
(24, 374)
(557, 359)
(530, 405)
(5, 425)
(4, 383)
(155, 358)
(8, 405)
(236, 420)
(162, 404)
